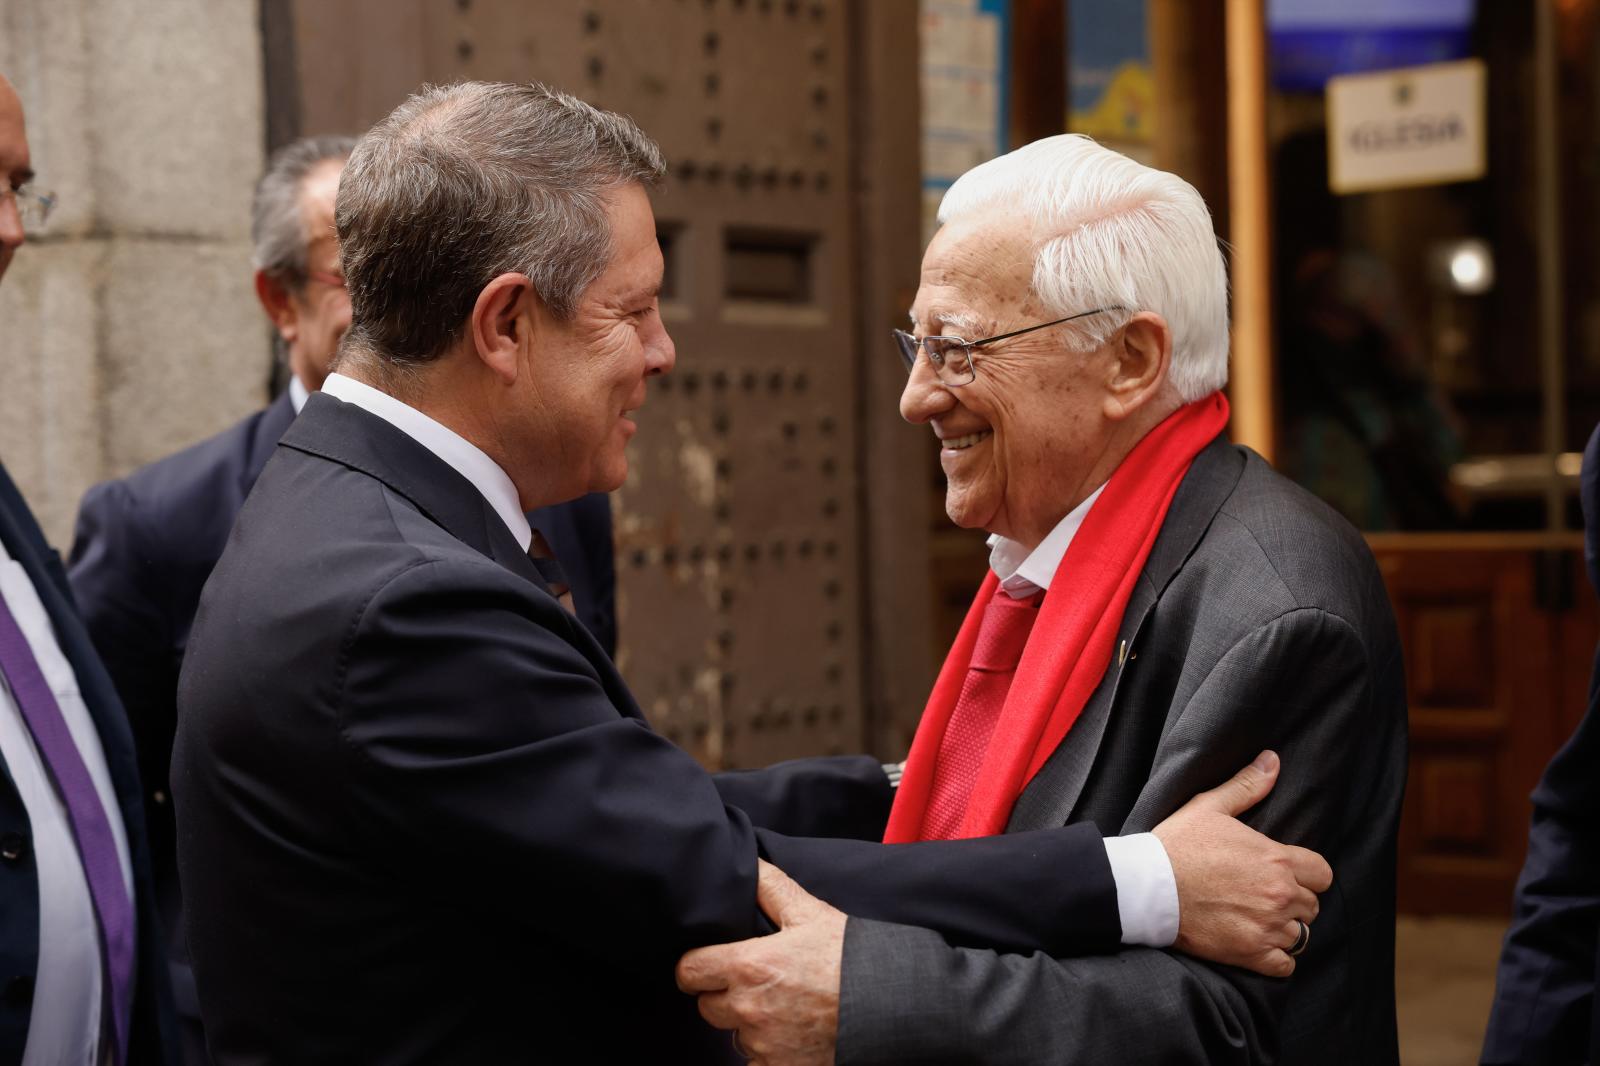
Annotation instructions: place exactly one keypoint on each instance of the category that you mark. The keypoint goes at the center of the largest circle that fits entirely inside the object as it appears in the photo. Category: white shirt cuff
(1147, 893)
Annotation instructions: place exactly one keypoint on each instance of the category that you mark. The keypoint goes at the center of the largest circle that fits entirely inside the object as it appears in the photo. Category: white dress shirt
(65, 1023)
(466, 458)
(1147, 893)
(297, 393)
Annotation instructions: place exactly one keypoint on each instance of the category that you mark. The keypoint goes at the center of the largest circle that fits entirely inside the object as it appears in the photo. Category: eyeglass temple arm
(1042, 325)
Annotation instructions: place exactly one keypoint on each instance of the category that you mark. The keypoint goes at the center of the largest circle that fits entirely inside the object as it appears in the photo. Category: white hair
(1113, 233)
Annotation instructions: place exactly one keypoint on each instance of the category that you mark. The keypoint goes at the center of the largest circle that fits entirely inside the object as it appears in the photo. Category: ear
(501, 324)
(1141, 357)
(279, 306)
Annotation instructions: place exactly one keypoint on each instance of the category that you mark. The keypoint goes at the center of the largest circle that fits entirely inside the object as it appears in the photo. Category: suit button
(19, 991)
(160, 797)
(13, 846)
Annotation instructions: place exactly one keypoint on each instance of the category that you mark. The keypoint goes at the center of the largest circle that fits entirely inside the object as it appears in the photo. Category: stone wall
(128, 327)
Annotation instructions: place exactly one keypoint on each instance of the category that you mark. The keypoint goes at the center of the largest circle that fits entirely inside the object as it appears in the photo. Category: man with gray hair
(1161, 604)
(421, 818)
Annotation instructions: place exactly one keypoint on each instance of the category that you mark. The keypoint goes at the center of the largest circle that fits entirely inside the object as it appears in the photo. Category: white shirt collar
(298, 394)
(1023, 573)
(461, 454)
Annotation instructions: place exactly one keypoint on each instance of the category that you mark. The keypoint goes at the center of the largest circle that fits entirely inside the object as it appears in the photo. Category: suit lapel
(25, 543)
(350, 436)
(1053, 794)
(264, 436)
(344, 433)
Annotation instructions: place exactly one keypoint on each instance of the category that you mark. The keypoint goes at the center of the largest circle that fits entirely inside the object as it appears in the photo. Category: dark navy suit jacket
(154, 1035)
(146, 544)
(1544, 1007)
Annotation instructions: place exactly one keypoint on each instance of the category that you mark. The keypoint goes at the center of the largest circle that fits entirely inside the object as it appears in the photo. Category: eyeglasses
(951, 357)
(33, 206)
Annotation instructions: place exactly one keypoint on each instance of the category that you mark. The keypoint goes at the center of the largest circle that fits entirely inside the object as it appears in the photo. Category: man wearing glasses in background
(145, 544)
(83, 977)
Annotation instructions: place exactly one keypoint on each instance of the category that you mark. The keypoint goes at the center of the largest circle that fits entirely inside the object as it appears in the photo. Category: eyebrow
(644, 293)
(965, 321)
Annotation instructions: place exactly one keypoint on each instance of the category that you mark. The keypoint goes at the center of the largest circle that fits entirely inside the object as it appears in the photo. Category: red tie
(1001, 638)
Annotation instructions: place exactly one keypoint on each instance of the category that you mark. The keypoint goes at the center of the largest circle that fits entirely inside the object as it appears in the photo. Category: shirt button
(159, 796)
(13, 846)
(19, 991)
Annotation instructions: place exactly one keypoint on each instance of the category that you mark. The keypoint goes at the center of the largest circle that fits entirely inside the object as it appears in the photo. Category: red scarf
(1070, 646)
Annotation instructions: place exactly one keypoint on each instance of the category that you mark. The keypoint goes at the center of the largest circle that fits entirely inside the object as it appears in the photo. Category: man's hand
(780, 993)
(1239, 893)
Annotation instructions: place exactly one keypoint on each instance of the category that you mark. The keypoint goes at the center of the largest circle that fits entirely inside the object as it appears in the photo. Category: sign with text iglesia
(1417, 126)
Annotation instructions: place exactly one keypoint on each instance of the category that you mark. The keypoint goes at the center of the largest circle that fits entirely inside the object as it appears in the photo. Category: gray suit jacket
(1259, 621)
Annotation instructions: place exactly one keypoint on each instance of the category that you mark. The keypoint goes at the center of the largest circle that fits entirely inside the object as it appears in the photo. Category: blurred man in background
(83, 977)
(146, 543)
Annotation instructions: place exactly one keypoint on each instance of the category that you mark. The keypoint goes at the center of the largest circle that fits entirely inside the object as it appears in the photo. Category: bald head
(15, 169)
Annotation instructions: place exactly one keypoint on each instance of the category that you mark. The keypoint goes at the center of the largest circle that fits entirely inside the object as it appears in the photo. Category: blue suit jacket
(153, 1037)
(144, 547)
(1544, 1007)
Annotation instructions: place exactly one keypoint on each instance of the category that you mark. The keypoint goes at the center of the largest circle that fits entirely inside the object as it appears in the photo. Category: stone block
(184, 346)
(177, 115)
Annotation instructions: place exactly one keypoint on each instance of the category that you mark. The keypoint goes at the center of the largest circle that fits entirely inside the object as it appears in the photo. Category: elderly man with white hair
(1161, 606)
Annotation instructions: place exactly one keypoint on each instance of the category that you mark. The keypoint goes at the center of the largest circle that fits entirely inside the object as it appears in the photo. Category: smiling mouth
(961, 443)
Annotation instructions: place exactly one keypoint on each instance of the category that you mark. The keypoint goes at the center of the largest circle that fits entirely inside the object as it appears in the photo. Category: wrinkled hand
(1239, 893)
(778, 993)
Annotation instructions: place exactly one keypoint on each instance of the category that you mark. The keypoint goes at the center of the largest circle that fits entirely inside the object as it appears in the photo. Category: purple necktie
(97, 847)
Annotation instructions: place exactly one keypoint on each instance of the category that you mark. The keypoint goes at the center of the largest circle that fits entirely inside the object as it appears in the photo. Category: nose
(924, 396)
(11, 234)
(661, 355)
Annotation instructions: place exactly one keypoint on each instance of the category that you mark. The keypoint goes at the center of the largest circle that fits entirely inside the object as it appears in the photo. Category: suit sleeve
(830, 796)
(1299, 684)
(1544, 991)
(109, 568)
(480, 735)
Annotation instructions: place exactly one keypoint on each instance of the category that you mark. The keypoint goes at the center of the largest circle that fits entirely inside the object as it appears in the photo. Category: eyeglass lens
(32, 206)
(948, 356)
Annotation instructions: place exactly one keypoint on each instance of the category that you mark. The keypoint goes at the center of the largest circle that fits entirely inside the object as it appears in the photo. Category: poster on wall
(965, 83)
(1111, 88)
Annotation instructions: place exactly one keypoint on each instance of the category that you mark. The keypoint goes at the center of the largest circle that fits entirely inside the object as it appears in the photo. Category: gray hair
(465, 182)
(277, 216)
(1115, 234)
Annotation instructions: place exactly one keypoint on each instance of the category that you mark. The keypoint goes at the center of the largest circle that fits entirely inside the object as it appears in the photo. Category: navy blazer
(421, 818)
(144, 547)
(154, 1035)
(1544, 1003)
